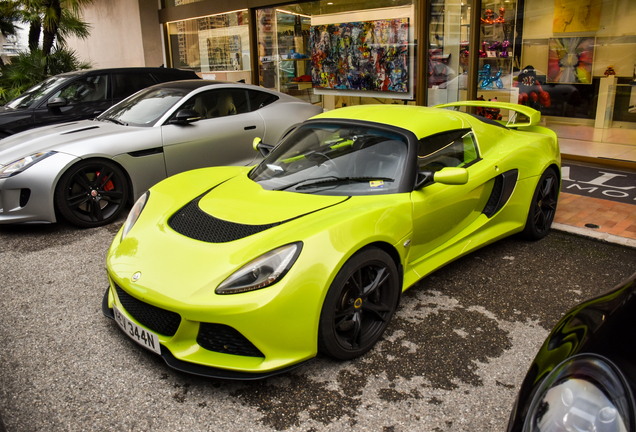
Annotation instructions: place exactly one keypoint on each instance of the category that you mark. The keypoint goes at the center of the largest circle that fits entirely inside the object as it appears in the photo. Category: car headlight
(262, 272)
(16, 167)
(134, 214)
(583, 393)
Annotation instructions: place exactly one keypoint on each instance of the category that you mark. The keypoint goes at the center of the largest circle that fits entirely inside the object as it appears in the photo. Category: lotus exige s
(244, 272)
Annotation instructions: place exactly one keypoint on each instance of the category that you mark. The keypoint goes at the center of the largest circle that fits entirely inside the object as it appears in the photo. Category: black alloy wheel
(91, 193)
(359, 305)
(543, 206)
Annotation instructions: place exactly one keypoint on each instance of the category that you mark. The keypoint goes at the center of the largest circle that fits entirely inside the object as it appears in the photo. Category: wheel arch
(395, 256)
(129, 185)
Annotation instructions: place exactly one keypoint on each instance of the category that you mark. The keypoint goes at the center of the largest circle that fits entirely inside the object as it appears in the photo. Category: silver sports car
(88, 171)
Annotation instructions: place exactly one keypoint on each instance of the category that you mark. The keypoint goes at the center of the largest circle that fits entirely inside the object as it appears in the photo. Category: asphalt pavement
(451, 360)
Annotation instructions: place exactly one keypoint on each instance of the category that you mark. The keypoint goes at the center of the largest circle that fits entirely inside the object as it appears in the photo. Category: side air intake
(501, 191)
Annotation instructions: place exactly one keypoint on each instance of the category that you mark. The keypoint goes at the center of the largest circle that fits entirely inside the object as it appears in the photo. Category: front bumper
(194, 348)
(201, 370)
(28, 196)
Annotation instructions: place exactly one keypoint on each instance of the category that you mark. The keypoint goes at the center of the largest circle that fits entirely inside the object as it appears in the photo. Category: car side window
(456, 148)
(218, 103)
(125, 84)
(259, 99)
(86, 89)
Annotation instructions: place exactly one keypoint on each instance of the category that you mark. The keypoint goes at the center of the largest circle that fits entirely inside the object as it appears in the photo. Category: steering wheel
(327, 162)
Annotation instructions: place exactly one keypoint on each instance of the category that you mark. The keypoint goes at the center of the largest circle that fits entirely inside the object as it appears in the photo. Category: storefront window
(449, 30)
(342, 55)
(573, 60)
(217, 46)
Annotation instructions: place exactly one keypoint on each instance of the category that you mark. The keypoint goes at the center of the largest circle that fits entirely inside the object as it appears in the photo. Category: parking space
(451, 360)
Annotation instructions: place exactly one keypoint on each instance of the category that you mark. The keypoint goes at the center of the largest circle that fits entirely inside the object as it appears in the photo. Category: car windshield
(37, 92)
(144, 108)
(328, 159)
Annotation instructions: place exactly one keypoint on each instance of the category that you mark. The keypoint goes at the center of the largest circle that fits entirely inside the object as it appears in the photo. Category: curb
(598, 235)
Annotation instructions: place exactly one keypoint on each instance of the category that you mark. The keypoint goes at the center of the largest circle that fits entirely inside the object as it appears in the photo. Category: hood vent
(80, 130)
(193, 222)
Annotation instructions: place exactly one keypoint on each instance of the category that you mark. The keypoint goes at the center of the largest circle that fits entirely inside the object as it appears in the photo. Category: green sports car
(245, 272)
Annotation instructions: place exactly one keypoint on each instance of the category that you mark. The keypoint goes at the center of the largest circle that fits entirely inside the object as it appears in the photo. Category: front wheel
(359, 305)
(543, 206)
(91, 193)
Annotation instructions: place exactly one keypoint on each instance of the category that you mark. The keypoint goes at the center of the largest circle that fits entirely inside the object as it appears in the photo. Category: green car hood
(155, 249)
(243, 201)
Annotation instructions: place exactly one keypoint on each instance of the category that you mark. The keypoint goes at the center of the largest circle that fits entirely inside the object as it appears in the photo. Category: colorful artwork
(570, 60)
(367, 55)
(576, 15)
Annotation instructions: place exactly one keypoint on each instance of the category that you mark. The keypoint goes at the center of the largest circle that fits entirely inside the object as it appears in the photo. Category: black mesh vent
(193, 222)
(156, 319)
(495, 196)
(225, 339)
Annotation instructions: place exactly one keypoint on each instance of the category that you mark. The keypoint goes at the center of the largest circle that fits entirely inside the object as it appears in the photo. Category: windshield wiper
(326, 181)
(119, 122)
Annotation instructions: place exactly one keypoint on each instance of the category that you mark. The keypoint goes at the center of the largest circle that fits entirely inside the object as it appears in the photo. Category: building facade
(574, 60)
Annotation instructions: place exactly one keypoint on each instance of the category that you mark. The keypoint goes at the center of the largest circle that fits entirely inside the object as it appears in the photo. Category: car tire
(359, 305)
(91, 193)
(543, 206)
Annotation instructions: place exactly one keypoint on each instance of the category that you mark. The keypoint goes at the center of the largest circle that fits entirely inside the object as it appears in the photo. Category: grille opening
(225, 339)
(156, 319)
(25, 194)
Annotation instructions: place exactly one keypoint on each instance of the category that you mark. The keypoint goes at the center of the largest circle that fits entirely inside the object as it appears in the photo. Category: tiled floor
(617, 219)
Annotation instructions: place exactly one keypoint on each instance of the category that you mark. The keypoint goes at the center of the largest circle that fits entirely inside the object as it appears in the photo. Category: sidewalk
(606, 220)
(601, 219)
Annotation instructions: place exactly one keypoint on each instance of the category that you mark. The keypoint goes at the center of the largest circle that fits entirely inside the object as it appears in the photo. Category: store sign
(599, 183)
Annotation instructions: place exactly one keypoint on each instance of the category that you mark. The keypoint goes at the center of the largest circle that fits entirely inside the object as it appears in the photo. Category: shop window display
(339, 55)
(498, 65)
(215, 45)
(448, 51)
(557, 56)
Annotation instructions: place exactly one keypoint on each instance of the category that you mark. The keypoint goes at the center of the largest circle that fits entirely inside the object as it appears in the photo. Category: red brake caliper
(109, 185)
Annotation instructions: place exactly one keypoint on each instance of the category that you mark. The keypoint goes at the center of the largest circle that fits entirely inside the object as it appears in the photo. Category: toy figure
(488, 81)
(610, 71)
(501, 18)
(482, 52)
(490, 113)
(530, 91)
(504, 49)
(487, 17)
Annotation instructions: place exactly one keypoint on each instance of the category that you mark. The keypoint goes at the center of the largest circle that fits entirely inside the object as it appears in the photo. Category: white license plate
(140, 335)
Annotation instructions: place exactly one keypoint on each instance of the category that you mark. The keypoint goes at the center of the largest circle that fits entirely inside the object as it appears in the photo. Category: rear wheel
(359, 305)
(91, 193)
(543, 206)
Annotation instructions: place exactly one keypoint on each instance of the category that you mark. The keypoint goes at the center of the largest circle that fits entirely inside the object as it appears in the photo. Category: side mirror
(447, 176)
(185, 116)
(451, 176)
(258, 145)
(57, 102)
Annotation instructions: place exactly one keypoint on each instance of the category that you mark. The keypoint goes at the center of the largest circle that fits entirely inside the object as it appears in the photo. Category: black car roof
(158, 70)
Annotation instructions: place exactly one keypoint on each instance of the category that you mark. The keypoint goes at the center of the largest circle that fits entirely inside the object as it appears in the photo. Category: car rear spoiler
(532, 114)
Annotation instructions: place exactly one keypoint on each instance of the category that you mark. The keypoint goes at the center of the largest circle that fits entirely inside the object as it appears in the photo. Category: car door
(440, 212)
(81, 99)
(223, 136)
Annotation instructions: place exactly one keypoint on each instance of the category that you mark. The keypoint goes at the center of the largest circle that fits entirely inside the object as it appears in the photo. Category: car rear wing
(532, 114)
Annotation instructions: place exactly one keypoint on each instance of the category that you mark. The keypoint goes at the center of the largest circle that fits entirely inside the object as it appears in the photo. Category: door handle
(249, 127)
